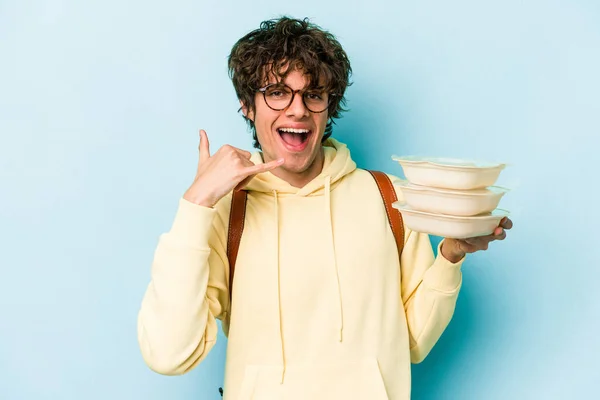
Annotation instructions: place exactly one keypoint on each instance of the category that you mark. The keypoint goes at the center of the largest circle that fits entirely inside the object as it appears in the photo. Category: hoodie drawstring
(276, 198)
(337, 272)
(334, 260)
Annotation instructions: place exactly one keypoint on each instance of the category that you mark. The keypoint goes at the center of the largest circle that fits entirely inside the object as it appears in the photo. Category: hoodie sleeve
(430, 287)
(188, 290)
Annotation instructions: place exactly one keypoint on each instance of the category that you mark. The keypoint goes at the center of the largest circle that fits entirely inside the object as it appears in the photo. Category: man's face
(294, 133)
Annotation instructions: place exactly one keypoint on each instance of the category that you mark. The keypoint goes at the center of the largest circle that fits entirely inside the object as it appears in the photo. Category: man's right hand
(228, 169)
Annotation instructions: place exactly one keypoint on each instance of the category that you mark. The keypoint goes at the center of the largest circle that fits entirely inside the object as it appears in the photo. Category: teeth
(290, 130)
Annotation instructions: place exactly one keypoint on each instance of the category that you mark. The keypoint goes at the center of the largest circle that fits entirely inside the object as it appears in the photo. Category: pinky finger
(256, 169)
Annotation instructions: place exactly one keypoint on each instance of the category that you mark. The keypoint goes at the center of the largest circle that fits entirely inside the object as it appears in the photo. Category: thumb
(204, 146)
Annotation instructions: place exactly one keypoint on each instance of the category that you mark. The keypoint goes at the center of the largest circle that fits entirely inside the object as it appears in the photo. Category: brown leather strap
(388, 194)
(237, 215)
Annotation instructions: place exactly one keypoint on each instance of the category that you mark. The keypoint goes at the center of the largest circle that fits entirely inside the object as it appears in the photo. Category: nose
(297, 109)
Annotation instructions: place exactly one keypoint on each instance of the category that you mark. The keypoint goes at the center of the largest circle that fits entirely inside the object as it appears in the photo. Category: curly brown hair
(280, 46)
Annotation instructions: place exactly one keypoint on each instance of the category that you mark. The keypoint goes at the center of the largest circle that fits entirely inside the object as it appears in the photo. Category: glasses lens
(316, 101)
(278, 96)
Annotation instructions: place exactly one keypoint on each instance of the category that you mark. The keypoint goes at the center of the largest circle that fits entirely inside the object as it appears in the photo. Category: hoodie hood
(337, 164)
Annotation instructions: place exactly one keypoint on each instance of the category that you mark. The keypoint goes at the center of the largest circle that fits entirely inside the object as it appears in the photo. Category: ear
(248, 114)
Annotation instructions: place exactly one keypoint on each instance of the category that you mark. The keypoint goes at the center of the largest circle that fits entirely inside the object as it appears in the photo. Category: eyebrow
(306, 88)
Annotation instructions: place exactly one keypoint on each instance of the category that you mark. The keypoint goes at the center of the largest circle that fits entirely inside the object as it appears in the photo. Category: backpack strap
(388, 194)
(237, 215)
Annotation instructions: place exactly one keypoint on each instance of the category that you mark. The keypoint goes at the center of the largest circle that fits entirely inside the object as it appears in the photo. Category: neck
(301, 179)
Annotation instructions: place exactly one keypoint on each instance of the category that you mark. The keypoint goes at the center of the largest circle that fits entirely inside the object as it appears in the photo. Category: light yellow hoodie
(322, 308)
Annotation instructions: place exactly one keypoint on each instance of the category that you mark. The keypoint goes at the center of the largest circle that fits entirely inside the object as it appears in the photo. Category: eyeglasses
(279, 96)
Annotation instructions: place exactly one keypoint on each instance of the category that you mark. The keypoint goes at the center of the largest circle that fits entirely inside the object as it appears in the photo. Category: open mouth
(295, 139)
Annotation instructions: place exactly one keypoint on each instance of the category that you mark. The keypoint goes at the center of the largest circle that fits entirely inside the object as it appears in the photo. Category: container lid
(490, 190)
(447, 162)
(401, 206)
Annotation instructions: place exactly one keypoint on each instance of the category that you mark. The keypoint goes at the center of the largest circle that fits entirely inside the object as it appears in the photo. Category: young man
(323, 306)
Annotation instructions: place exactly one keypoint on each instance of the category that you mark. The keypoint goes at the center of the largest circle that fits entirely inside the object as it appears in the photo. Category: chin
(295, 167)
(300, 162)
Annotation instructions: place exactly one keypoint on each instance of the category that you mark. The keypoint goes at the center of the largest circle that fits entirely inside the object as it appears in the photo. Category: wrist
(451, 251)
(201, 200)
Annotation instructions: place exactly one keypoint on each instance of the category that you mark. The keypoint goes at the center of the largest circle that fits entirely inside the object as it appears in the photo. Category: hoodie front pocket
(348, 381)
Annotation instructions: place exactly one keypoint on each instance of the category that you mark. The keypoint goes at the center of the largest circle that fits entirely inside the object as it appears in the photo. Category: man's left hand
(455, 249)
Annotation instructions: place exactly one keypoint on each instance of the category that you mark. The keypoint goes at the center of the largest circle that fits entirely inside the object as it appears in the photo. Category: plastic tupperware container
(449, 226)
(449, 173)
(450, 201)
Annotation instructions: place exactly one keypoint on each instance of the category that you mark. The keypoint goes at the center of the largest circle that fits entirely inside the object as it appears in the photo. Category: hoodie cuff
(444, 276)
(192, 224)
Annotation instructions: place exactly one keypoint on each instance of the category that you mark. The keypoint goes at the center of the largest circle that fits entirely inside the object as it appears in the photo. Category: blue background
(100, 104)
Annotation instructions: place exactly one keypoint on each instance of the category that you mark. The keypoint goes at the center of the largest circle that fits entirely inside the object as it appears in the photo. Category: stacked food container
(450, 198)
